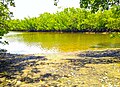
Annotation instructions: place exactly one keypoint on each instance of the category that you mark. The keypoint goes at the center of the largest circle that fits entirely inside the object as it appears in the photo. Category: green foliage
(96, 5)
(71, 20)
(5, 14)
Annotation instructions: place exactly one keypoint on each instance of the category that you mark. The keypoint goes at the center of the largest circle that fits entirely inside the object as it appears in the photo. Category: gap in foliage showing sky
(33, 8)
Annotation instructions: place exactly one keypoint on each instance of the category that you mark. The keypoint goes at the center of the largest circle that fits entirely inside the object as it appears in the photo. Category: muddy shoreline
(73, 70)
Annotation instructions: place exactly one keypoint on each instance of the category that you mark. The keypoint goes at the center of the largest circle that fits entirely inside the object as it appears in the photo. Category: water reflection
(22, 48)
(37, 42)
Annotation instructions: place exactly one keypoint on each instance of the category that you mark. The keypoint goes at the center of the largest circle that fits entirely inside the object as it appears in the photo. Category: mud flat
(84, 69)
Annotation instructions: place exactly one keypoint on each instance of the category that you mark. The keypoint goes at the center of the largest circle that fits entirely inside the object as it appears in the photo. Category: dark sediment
(52, 73)
(105, 53)
(12, 63)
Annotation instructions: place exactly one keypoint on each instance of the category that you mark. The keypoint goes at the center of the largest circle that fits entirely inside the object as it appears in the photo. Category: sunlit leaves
(95, 5)
(71, 20)
(5, 14)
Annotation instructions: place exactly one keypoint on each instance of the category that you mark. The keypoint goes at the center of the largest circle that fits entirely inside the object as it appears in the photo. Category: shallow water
(48, 42)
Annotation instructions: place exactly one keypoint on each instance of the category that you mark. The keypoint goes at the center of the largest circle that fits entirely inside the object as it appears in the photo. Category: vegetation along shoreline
(70, 20)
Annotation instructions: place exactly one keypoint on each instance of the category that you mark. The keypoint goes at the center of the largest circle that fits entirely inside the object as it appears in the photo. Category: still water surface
(39, 42)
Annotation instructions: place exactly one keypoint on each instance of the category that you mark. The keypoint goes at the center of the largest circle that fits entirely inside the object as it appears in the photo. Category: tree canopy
(95, 5)
(71, 20)
(5, 14)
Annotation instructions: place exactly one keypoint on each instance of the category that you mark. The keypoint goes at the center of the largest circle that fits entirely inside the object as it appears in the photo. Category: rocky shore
(88, 68)
(104, 53)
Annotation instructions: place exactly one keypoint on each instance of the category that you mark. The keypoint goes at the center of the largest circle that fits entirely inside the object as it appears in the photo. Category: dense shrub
(70, 20)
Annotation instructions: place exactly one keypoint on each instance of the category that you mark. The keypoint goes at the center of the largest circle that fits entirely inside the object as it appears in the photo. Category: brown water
(39, 42)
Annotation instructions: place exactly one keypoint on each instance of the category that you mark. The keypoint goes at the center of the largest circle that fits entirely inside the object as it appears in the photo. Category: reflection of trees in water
(66, 40)
(106, 45)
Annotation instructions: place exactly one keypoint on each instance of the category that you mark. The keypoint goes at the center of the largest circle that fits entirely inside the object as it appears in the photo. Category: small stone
(18, 83)
(47, 75)
(27, 80)
(35, 70)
